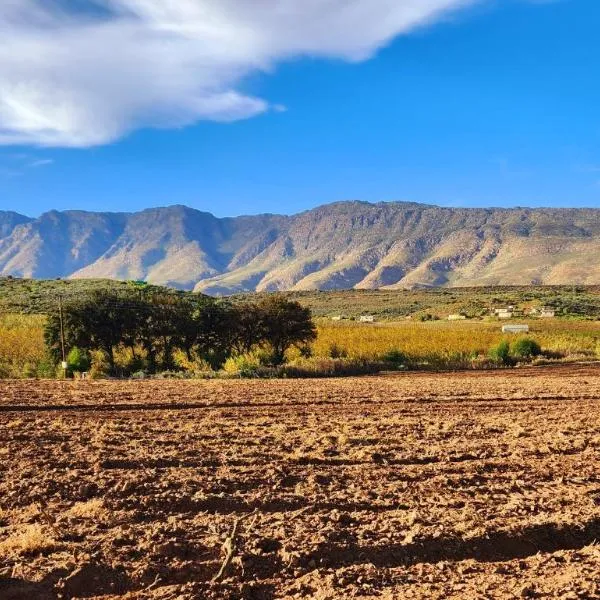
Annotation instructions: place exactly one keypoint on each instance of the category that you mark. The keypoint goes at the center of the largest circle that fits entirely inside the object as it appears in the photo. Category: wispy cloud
(85, 76)
(17, 164)
(44, 162)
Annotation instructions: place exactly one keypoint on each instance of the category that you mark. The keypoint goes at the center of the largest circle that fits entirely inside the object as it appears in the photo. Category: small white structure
(515, 329)
(457, 318)
(504, 314)
(547, 313)
(367, 319)
(336, 318)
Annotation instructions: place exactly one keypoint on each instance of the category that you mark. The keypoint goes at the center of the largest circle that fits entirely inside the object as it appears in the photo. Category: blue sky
(492, 104)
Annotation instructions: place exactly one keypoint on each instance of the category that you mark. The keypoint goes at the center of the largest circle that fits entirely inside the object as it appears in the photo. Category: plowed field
(477, 485)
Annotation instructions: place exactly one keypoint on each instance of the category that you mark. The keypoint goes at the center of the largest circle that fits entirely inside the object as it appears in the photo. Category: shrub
(395, 357)
(29, 371)
(336, 351)
(173, 375)
(46, 369)
(525, 348)
(193, 364)
(100, 365)
(306, 351)
(331, 367)
(245, 365)
(78, 360)
(501, 353)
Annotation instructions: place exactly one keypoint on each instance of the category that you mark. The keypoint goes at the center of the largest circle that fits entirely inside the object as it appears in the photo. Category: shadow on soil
(17, 589)
(495, 547)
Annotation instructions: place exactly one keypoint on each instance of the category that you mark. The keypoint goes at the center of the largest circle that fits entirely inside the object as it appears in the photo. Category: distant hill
(344, 245)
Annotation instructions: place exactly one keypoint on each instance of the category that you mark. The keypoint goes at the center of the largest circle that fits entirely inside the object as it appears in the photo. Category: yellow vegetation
(439, 339)
(32, 539)
(22, 347)
(23, 353)
(91, 509)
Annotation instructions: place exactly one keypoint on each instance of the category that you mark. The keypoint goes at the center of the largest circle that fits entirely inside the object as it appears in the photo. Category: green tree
(216, 332)
(101, 321)
(285, 324)
(249, 327)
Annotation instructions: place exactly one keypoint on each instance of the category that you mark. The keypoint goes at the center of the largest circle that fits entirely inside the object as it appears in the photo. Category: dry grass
(30, 540)
(91, 509)
(441, 339)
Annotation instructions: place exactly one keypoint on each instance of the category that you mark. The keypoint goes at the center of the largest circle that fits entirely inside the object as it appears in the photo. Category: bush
(395, 357)
(193, 364)
(46, 369)
(100, 365)
(525, 348)
(501, 353)
(331, 367)
(336, 351)
(78, 361)
(244, 365)
(29, 371)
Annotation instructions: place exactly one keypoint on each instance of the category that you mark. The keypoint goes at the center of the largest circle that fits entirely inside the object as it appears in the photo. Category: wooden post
(62, 336)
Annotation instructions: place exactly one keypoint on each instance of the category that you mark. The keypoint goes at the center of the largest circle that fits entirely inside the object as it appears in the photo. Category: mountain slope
(58, 243)
(337, 246)
(9, 220)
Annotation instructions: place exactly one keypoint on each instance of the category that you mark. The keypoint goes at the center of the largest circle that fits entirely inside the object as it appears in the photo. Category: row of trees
(153, 327)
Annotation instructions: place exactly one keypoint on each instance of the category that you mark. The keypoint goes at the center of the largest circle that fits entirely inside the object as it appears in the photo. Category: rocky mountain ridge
(336, 246)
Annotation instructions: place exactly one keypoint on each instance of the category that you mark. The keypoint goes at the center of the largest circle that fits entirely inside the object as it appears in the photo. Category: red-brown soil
(476, 485)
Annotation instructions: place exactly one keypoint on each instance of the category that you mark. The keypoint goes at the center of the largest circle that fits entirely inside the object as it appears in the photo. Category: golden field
(437, 343)
(443, 338)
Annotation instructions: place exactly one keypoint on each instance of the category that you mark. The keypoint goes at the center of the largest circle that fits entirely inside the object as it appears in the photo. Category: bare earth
(478, 485)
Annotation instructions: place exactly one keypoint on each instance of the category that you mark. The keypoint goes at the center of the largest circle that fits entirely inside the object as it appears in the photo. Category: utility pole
(62, 335)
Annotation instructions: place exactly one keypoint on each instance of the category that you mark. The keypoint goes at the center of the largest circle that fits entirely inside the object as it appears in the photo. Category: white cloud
(88, 76)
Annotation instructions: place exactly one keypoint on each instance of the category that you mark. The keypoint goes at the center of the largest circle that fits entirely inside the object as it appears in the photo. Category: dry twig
(230, 543)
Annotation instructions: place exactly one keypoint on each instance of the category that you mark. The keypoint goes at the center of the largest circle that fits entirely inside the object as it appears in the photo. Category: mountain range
(336, 246)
